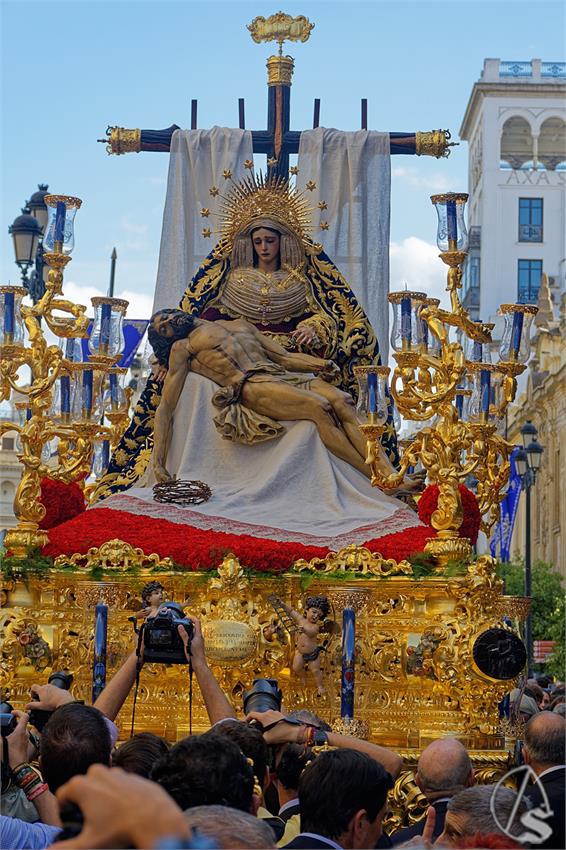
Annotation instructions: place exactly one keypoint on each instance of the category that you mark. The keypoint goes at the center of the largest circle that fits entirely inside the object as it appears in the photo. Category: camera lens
(61, 679)
(264, 695)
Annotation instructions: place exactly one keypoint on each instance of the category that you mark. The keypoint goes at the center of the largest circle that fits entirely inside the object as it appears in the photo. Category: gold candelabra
(64, 399)
(453, 383)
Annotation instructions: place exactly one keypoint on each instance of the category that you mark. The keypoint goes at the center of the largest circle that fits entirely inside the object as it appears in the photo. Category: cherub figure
(152, 599)
(308, 626)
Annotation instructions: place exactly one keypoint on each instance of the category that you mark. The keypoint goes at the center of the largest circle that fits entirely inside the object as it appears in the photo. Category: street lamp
(528, 460)
(27, 232)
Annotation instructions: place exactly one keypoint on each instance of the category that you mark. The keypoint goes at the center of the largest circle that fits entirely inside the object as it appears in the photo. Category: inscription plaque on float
(229, 642)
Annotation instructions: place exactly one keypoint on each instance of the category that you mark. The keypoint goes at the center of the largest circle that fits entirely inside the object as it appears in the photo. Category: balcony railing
(515, 69)
(553, 69)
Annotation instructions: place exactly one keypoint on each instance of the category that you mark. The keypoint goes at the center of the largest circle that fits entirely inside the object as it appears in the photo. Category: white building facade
(515, 124)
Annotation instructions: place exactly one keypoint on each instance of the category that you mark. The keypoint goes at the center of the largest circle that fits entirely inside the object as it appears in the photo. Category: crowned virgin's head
(245, 255)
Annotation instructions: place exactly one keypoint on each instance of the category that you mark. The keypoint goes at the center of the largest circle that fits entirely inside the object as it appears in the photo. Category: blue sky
(69, 69)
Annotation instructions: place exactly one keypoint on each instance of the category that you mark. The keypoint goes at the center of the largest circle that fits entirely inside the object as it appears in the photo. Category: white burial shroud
(288, 489)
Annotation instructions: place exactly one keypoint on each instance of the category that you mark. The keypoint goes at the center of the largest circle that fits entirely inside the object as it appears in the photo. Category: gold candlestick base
(25, 537)
(446, 549)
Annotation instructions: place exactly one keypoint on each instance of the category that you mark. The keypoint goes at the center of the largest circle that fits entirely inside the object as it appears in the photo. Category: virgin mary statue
(298, 297)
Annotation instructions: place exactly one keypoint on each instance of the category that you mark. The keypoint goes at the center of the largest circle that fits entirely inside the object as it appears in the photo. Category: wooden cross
(278, 141)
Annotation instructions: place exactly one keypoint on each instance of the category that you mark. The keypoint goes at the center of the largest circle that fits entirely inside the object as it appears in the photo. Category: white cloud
(133, 227)
(140, 303)
(436, 182)
(416, 263)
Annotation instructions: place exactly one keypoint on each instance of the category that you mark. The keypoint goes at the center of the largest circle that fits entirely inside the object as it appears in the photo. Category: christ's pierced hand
(329, 371)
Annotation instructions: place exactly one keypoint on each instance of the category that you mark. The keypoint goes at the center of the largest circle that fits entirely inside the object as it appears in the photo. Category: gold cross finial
(280, 28)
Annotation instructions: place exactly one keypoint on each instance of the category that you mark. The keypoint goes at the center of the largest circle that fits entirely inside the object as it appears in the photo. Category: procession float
(261, 521)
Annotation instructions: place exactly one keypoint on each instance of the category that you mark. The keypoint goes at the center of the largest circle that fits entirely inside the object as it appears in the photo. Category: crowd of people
(274, 779)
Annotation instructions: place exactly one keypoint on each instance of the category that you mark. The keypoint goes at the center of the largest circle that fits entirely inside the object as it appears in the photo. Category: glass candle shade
(61, 404)
(372, 398)
(475, 351)
(48, 451)
(114, 398)
(60, 231)
(429, 341)
(72, 349)
(484, 400)
(462, 403)
(11, 324)
(101, 458)
(86, 401)
(407, 328)
(107, 335)
(451, 234)
(516, 340)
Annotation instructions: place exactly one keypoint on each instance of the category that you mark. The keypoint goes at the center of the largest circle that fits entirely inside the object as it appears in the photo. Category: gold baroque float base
(415, 680)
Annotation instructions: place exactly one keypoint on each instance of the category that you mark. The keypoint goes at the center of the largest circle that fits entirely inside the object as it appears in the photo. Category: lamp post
(528, 460)
(27, 232)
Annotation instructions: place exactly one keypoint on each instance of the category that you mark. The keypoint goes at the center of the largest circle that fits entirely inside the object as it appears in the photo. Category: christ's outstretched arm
(179, 368)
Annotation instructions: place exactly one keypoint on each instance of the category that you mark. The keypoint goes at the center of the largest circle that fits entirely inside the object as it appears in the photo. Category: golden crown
(256, 197)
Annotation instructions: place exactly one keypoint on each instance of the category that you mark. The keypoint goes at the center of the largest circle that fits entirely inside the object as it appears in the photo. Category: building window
(530, 219)
(529, 275)
(471, 276)
(8, 444)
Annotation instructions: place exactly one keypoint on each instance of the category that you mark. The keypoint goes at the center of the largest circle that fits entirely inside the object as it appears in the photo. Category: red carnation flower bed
(472, 518)
(196, 549)
(61, 502)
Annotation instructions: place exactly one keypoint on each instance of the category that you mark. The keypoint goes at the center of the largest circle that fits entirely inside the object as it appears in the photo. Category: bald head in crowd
(230, 828)
(444, 769)
(544, 741)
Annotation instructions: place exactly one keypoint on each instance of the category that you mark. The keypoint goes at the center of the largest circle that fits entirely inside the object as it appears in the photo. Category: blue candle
(28, 414)
(60, 212)
(70, 346)
(105, 454)
(451, 225)
(516, 334)
(105, 322)
(100, 643)
(424, 331)
(485, 390)
(65, 394)
(372, 392)
(348, 662)
(87, 390)
(9, 308)
(406, 319)
(114, 389)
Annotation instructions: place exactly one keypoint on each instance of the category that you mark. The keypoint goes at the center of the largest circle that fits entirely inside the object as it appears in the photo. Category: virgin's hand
(306, 336)
(158, 372)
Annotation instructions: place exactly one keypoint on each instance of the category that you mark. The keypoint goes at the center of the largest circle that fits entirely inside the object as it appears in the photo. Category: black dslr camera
(38, 717)
(8, 721)
(264, 694)
(162, 642)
